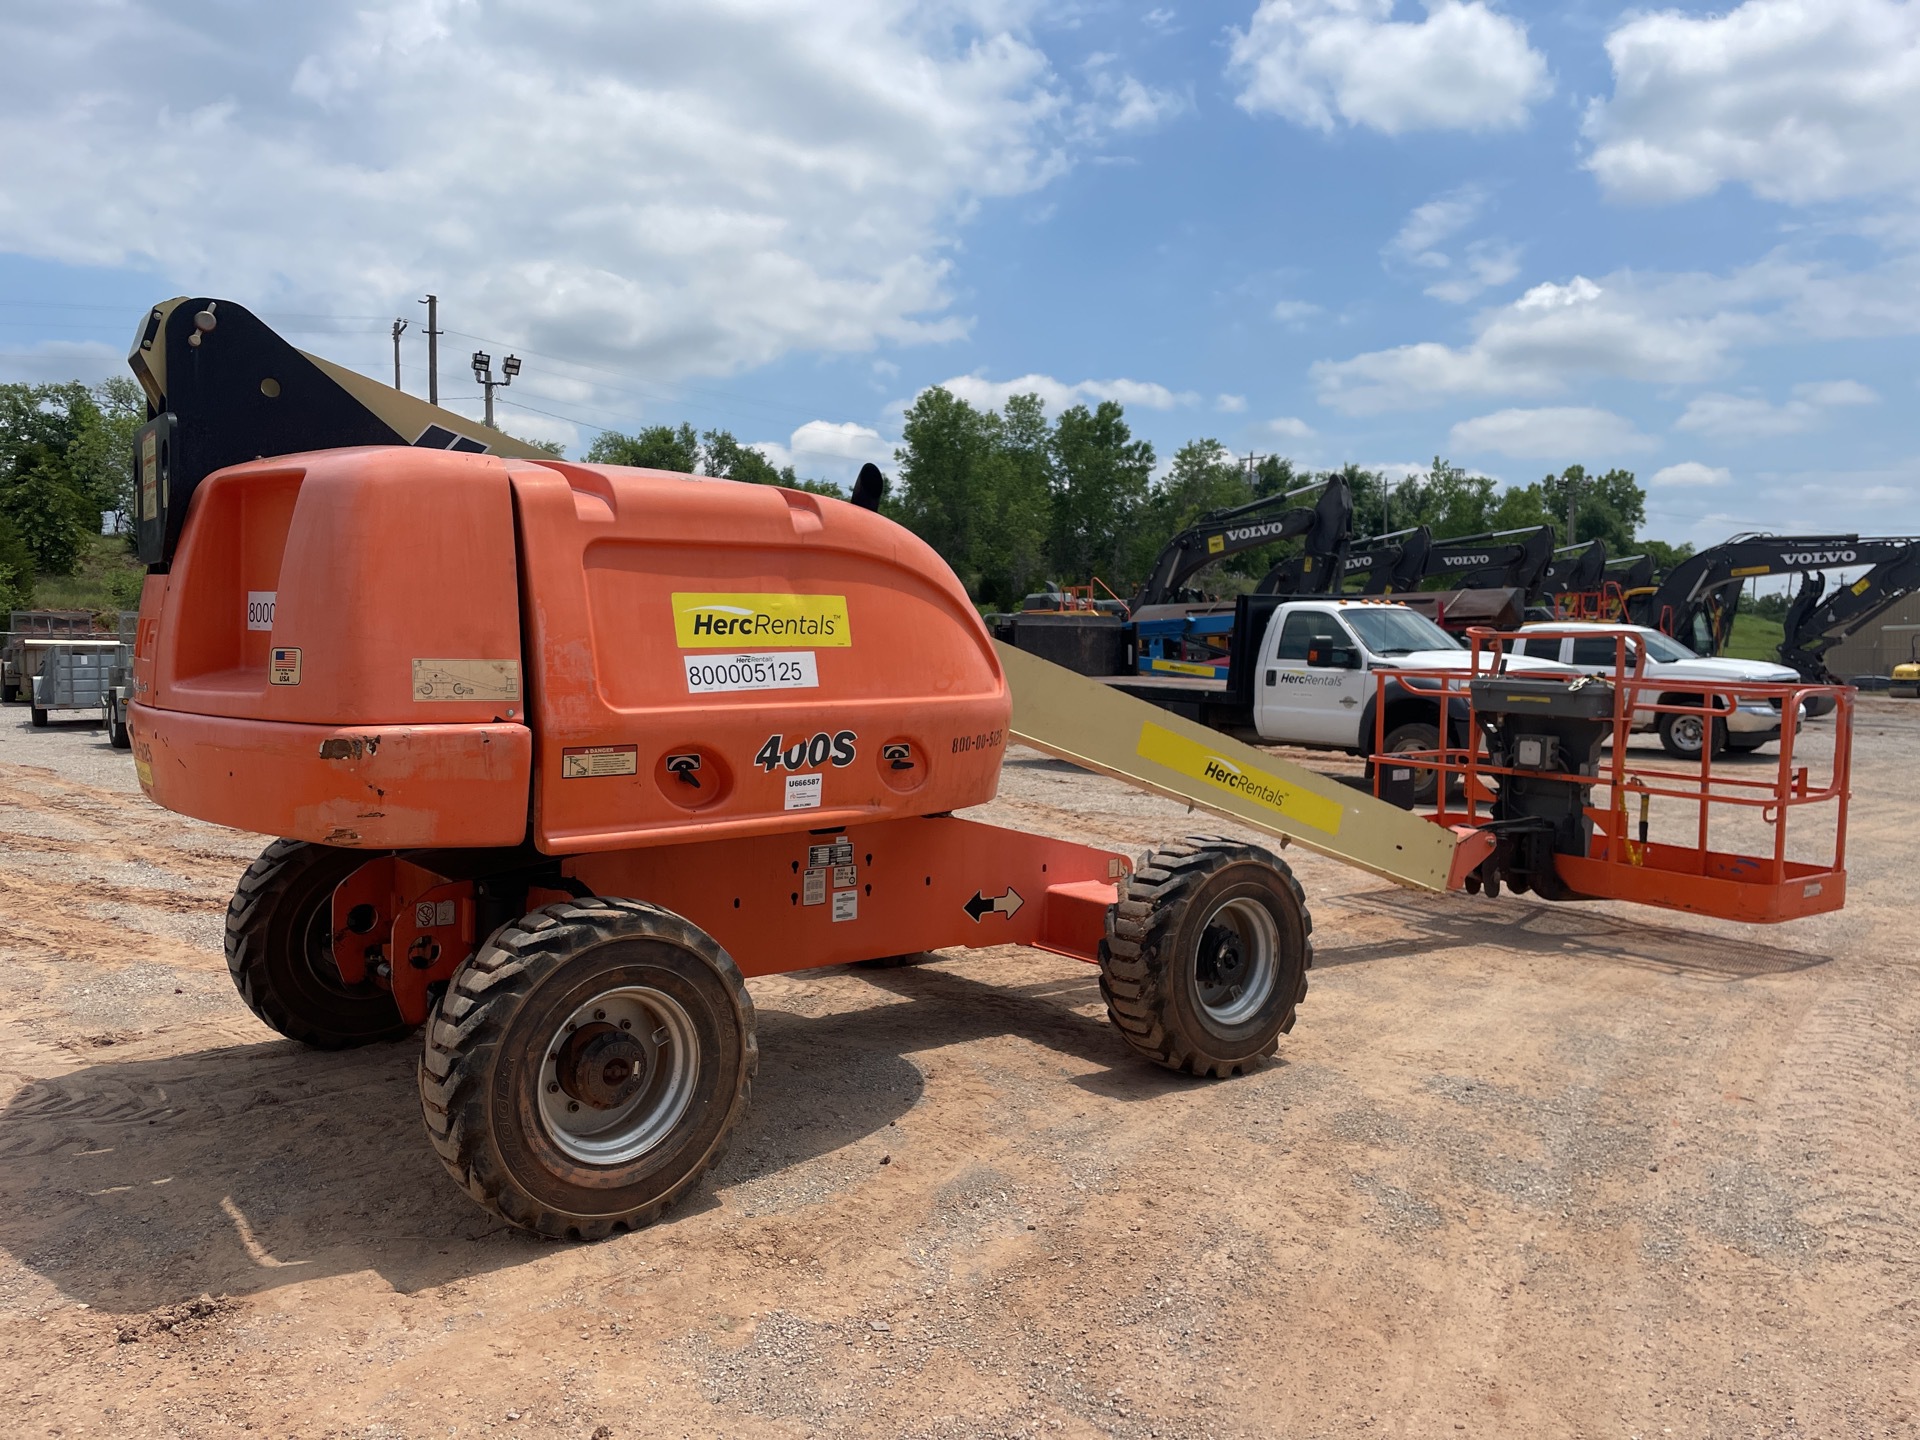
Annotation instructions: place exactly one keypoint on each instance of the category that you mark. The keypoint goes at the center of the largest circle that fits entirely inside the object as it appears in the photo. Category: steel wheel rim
(1687, 731)
(1238, 961)
(637, 1018)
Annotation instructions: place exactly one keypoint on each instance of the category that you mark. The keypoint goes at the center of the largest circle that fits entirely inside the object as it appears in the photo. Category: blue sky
(1683, 240)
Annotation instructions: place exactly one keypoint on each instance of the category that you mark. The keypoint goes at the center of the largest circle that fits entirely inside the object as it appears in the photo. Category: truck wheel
(587, 1065)
(1417, 735)
(39, 718)
(1681, 735)
(280, 950)
(118, 735)
(1206, 956)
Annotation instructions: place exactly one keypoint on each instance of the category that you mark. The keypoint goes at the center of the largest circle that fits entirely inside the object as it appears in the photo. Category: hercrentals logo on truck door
(711, 621)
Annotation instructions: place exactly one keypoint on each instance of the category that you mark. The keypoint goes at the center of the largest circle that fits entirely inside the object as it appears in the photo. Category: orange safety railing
(1623, 863)
(1609, 602)
(1075, 598)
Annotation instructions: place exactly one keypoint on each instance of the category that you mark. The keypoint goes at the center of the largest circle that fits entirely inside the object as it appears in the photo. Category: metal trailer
(72, 675)
(120, 683)
(17, 663)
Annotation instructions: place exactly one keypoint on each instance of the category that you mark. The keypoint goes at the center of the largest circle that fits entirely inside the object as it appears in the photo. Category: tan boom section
(1092, 725)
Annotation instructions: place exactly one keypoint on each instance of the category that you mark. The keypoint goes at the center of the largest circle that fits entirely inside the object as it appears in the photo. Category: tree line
(1010, 497)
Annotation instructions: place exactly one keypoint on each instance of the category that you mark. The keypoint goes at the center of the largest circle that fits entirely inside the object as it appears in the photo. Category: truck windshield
(1664, 647)
(1397, 632)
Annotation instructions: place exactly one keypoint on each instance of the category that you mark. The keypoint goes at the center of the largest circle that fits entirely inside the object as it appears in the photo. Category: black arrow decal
(1007, 905)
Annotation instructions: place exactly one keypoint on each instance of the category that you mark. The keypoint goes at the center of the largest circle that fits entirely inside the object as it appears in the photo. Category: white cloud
(1483, 264)
(1294, 314)
(1058, 395)
(52, 361)
(829, 450)
(1690, 475)
(1123, 103)
(1534, 346)
(1560, 433)
(1750, 417)
(1290, 427)
(1837, 392)
(676, 189)
(1230, 404)
(1426, 226)
(1801, 100)
(1464, 66)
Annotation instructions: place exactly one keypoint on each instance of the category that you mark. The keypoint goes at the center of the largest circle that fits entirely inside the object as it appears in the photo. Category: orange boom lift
(560, 754)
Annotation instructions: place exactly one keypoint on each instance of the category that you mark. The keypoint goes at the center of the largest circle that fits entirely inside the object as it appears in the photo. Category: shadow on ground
(137, 1183)
(1423, 923)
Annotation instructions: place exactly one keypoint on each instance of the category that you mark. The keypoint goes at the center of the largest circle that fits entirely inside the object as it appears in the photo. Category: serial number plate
(796, 670)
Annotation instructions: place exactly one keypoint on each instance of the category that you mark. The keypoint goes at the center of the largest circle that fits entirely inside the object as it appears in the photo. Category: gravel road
(1521, 1169)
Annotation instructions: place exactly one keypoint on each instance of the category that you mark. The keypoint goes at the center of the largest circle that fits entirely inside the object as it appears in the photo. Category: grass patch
(107, 578)
(1755, 638)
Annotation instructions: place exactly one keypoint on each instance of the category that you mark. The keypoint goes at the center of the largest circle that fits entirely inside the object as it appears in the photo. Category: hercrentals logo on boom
(1221, 773)
(706, 622)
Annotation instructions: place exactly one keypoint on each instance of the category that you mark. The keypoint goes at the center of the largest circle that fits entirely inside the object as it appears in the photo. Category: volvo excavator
(1697, 600)
(559, 754)
(1322, 528)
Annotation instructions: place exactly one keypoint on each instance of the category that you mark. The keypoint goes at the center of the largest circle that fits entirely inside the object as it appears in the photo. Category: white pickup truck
(1592, 649)
(1304, 672)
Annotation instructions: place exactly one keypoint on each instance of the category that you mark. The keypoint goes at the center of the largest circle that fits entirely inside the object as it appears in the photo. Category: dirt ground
(1521, 1170)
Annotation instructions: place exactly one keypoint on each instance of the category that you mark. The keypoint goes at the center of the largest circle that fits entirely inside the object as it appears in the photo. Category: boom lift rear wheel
(1206, 956)
(280, 950)
(587, 1064)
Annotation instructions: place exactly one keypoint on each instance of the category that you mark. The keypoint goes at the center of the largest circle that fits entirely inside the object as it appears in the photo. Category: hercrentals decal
(706, 622)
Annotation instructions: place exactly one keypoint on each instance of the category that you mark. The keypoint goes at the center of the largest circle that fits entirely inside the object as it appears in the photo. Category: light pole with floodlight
(483, 372)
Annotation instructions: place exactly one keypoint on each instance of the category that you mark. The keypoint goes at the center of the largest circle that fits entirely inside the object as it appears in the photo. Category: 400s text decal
(807, 752)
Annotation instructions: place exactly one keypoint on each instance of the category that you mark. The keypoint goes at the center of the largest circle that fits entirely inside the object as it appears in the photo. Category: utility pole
(483, 372)
(398, 326)
(432, 302)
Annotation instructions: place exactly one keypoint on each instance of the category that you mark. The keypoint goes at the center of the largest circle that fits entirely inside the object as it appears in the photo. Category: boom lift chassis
(579, 975)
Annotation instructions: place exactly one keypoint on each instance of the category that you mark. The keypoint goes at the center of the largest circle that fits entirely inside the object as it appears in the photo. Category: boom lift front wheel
(586, 1065)
(280, 950)
(1206, 956)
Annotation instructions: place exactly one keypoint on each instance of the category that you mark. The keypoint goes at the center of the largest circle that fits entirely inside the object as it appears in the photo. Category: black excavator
(1818, 619)
(1573, 570)
(1321, 527)
(1381, 564)
(1696, 601)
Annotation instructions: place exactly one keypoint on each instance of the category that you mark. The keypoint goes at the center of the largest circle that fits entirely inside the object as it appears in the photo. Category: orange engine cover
(392, 647)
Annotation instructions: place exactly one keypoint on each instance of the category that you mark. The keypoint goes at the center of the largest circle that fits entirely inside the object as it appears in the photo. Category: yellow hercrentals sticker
(1270, 792)
(708, 622)
(1184, 667)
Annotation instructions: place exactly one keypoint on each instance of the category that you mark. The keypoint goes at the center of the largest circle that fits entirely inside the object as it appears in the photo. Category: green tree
(16, 570)
(1101, 476)
(54, 476)
(658, 447)
(107, 418)
(1610, 507)
(943, 484)
(550, 447)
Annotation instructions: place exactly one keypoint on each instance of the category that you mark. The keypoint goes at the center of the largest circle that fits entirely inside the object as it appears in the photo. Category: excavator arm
(1816, 621)
(1223, 533)
(1698, 599)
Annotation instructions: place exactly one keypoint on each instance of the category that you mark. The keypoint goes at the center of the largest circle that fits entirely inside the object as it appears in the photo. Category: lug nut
(572, 1105)
(553, 1088)
(626, 1024)
(599, 1014)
